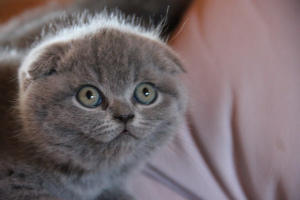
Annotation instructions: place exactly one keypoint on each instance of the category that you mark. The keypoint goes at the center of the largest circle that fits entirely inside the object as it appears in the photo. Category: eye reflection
(145, 93)
(89, 96)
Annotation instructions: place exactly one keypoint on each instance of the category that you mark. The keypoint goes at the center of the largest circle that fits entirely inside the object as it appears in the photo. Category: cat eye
(89, 96)
(145, 93)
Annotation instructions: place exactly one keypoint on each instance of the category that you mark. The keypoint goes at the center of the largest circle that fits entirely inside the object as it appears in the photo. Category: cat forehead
(111, 57)
(87, 26)
(115, 59)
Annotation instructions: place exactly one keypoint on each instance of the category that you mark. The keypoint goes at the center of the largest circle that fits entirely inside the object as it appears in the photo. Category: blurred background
(9, 9)
(150, 10)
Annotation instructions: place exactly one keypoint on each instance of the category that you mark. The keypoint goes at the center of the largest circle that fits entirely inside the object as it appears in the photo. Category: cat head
(101, 99)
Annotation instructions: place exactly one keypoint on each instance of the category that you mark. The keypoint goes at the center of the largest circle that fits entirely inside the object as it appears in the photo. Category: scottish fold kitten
(94, 98)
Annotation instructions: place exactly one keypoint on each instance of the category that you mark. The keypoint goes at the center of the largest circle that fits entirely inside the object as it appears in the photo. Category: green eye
(145, 93)
(89, 96)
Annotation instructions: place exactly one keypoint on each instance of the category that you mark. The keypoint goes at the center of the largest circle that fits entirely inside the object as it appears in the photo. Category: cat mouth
(125, 132)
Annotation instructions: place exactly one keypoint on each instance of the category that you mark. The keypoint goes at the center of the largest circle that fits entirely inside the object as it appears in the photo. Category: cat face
(107, 98)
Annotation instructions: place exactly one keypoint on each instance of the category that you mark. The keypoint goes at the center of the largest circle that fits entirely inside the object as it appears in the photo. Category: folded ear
(41, 62)
(170, 60)
(175, 59)
(47, 62)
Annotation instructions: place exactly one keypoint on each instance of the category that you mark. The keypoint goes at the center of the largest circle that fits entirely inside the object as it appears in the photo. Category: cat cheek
(144, 132)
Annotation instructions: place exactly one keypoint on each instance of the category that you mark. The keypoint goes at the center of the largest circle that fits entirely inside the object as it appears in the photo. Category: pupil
(146, 92)
(89, 94)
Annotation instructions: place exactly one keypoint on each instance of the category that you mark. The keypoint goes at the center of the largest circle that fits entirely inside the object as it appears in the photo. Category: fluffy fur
(52, 147)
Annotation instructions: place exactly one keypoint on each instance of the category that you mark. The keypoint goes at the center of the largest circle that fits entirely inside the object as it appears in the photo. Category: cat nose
(124, 118)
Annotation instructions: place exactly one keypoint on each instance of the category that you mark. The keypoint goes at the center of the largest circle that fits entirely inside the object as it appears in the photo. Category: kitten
(97, 95)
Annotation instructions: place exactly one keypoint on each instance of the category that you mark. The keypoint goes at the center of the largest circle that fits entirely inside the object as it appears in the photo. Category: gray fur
(51, 147)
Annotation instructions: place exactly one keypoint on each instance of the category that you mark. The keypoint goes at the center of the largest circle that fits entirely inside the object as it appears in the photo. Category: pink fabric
(242, 135)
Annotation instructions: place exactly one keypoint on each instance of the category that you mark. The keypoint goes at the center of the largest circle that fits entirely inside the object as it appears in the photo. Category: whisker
(181, 28)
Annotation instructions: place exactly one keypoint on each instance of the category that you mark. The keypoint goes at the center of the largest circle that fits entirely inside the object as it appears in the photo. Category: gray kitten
(96, 96)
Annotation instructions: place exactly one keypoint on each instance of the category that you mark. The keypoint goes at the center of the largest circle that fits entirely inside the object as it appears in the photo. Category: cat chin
(119, 134)
(118, 137)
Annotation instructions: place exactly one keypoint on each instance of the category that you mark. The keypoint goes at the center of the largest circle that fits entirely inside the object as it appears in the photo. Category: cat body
(97, 95)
